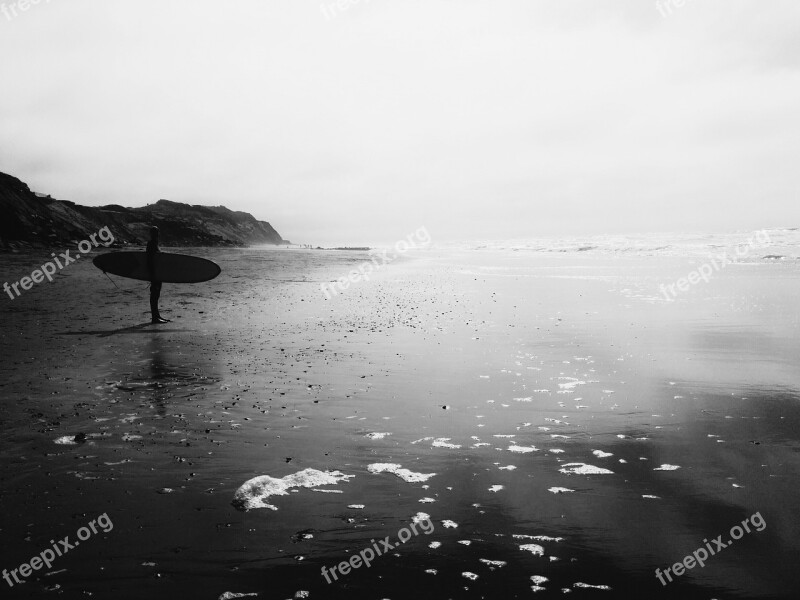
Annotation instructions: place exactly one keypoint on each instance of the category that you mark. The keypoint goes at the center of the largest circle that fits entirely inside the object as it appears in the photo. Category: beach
(559, 421)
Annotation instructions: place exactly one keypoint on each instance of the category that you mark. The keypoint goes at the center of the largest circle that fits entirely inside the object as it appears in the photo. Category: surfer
(155, 286)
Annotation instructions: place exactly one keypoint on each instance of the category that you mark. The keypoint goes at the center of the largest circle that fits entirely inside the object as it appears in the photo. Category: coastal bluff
(31, 220)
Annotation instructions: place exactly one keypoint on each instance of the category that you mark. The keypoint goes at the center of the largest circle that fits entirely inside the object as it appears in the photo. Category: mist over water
(754, 245)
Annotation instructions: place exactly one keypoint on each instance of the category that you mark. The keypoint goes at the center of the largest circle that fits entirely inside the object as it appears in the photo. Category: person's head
(154, 233)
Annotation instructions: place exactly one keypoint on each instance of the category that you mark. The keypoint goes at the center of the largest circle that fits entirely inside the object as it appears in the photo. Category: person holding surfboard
(155, 286)
(157, 267)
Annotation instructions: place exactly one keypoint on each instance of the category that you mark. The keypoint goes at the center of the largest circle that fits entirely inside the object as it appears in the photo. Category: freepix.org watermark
(665, 6)
(418, 239)
(46, 557)
(12, 10)
(367, 555)
(700, 556)
(331, 10)
(716, 264)
(48, 269)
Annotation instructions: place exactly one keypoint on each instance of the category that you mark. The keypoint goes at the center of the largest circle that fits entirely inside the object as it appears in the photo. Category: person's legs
(155, 293)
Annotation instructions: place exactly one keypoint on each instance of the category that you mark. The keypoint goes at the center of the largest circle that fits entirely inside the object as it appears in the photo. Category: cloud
(474, 119)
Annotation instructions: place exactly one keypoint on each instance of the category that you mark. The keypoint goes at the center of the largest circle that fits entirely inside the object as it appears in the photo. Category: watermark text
(418, 239)
(714, 265)
(48, 269)
(701, 555)
(60, 548)
(367, 555)
(12, 10)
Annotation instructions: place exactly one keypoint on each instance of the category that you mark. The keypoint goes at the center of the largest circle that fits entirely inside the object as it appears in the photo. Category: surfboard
(168, 268)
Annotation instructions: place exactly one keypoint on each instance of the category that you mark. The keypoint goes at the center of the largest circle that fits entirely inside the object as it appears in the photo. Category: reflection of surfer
(155, 286)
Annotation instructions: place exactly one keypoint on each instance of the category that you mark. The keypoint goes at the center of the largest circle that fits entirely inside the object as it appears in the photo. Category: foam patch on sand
(420, 517)
(404, 474)
(496, 488)
(538, 580)
(445, 443)
(571, 385)
(666, 467)
(378, 435)
(601, 454)
(559, 490)
(589, 586)
(255, 492)
(66, 440)
(538, 538)
(448, 524)
(534, 549)
(493, 564)
(583, 469)
(522, 449)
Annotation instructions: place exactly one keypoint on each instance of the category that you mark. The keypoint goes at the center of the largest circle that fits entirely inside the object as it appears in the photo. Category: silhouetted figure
(155, 286)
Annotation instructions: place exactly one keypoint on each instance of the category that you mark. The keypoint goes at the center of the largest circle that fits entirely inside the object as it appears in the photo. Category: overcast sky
(474, 118)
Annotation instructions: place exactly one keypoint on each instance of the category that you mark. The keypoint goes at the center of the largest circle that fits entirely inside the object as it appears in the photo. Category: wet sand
(469, 363)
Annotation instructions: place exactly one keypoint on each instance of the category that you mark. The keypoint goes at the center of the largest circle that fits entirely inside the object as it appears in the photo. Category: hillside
(29, 220)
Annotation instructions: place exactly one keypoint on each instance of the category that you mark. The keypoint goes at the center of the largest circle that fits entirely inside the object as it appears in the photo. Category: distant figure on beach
(155, 286)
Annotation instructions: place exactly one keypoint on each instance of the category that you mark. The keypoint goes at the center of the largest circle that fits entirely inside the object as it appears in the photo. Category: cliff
(29, 220)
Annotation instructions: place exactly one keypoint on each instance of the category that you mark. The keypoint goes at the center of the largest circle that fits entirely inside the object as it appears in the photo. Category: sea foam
(255, 492)
(404, 474)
